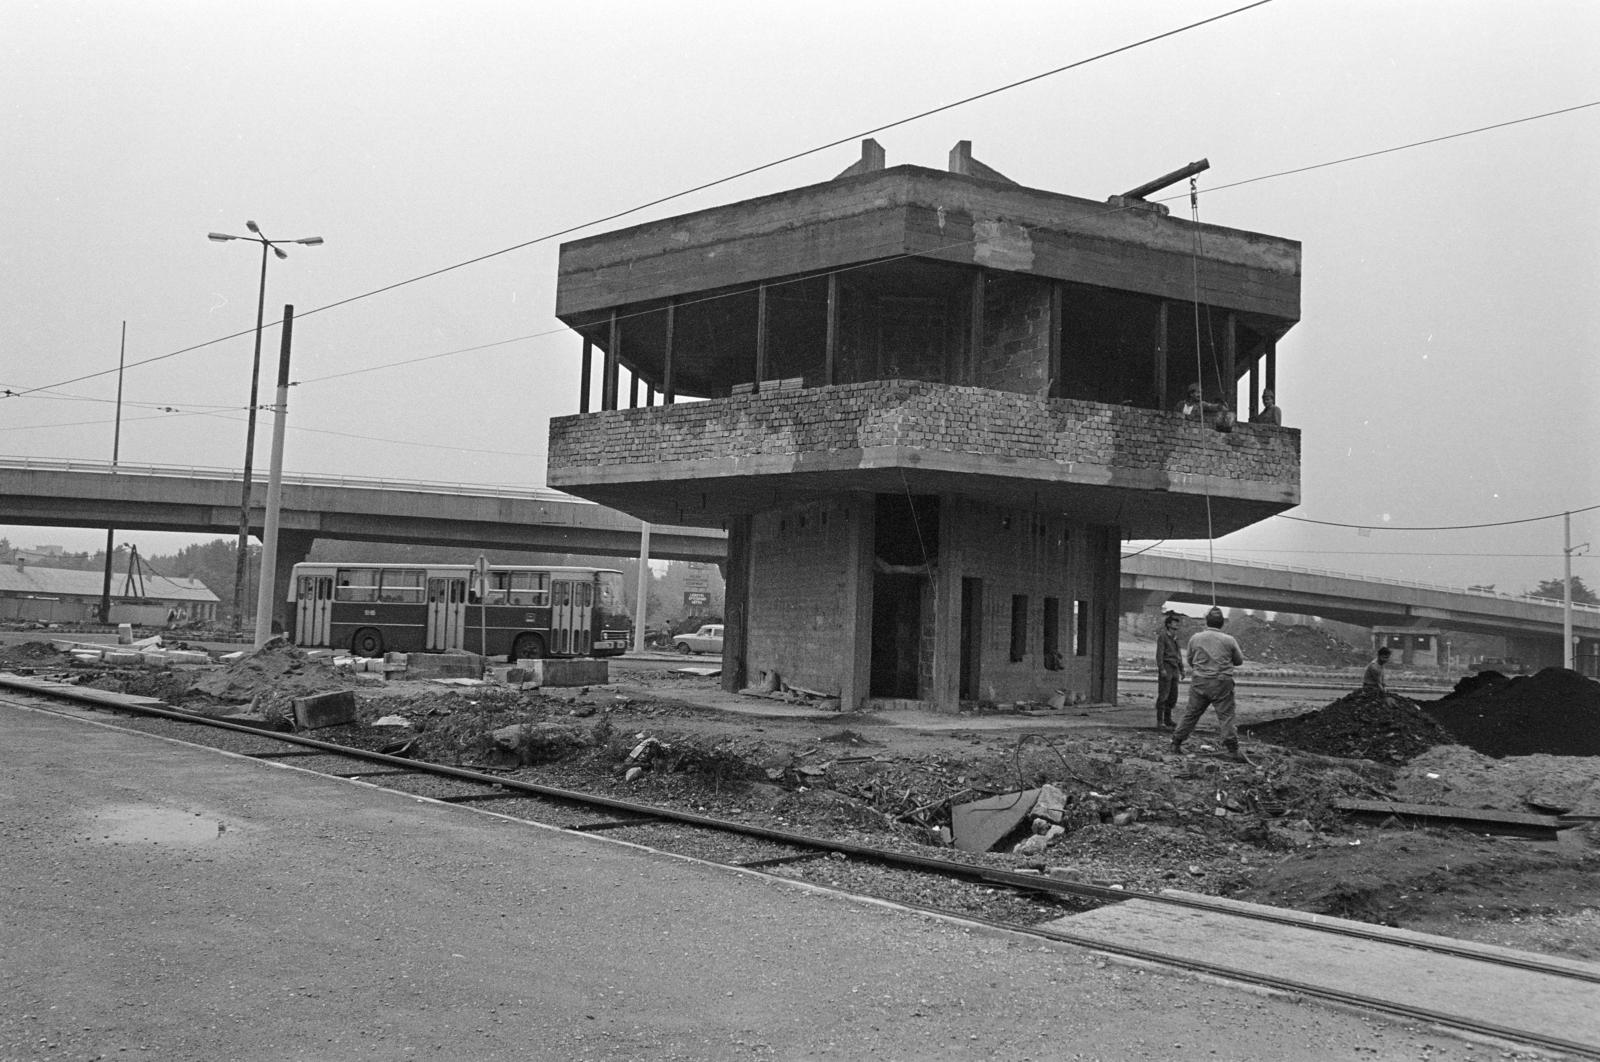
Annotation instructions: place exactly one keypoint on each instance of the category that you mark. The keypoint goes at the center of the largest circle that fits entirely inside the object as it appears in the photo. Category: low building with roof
(36, 594)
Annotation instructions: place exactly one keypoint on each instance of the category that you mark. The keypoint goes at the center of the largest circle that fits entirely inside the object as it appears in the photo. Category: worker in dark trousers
(1212, 658)
(1169, 671)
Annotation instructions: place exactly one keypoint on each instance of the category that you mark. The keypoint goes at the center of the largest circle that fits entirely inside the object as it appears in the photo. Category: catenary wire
(1442, 527)
(659, 200)
(9, 392)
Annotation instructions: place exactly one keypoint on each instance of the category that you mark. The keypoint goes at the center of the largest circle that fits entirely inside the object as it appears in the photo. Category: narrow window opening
(1080, 614)
(1019, 627)
(1051, 643)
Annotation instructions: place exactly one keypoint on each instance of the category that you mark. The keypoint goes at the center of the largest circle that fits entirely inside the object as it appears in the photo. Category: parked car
(707, 639)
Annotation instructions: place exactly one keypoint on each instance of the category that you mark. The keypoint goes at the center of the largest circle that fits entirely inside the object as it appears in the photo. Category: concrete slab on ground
(1512, 999)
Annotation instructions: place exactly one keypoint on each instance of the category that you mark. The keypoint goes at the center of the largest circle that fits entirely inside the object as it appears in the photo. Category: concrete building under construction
(928, 406)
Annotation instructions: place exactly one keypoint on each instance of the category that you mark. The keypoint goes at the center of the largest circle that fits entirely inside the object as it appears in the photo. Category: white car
(707, 639)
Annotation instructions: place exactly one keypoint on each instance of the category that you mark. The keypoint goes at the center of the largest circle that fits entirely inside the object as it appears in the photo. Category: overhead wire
(27, 392)
(704, 186)
(1441, 527)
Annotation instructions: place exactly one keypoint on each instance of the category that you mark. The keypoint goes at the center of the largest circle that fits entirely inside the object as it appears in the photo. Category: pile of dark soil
(1361, 725)
(1555, 712)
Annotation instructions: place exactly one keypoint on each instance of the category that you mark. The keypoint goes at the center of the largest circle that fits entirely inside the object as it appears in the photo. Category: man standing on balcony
(1169, 671)
(1212, 658)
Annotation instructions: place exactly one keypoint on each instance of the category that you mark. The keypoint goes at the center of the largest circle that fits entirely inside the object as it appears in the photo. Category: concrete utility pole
(1568, 550)
(644, 588)
(265, 595)
(116, 446)
(242, 559)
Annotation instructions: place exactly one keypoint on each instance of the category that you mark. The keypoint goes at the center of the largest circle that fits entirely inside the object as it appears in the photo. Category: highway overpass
(54, 493)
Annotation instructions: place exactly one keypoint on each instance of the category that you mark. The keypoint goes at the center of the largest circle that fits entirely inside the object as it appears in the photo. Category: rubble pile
(277, 668)
(1555, 712)
(1361, 725)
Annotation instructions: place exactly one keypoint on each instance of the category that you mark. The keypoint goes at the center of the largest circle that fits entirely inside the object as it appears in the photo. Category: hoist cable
(1200, 376)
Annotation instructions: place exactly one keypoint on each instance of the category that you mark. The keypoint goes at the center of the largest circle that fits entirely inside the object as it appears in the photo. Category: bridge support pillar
(293, 547)
(1130, 601)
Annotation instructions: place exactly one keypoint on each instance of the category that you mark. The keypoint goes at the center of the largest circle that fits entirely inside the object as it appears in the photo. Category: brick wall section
(1014, 354)
(920, 416)
(799, 563)
(1039, 555)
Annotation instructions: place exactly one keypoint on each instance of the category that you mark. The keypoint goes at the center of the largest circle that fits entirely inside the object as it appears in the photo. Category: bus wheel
(367, 642)
(527, 647)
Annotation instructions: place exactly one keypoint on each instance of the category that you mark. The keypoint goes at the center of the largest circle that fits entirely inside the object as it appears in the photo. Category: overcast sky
(1444, 372)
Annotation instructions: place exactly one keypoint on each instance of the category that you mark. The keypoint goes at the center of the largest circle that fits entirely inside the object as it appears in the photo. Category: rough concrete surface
(163, 902)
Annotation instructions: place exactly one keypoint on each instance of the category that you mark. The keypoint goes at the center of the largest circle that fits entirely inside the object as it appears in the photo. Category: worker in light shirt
(1212, 657)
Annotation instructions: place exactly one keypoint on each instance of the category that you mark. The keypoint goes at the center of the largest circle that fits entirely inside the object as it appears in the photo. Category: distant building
(1420, 647)
(31, 592)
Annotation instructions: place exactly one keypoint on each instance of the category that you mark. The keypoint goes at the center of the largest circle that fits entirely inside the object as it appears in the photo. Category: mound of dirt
(1265, 642)
(1463, 777)
(1361, 725)
(29, 654)
(1555, 712)
(276, 668)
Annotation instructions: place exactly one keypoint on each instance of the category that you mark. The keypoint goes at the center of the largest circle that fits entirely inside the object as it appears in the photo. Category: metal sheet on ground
(1536, 1003)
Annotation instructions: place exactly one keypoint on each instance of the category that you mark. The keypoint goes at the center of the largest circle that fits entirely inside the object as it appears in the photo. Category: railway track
(1196, 933)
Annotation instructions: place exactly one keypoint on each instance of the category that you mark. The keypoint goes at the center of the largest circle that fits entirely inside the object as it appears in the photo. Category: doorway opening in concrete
(905, 551)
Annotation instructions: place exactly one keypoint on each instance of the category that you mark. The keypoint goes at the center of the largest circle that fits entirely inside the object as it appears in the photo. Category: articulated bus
(524, 612)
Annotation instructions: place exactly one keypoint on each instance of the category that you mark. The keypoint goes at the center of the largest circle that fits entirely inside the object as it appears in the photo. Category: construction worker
(1270, 413)
(1169, 671)
(1212, 658)
(1372, 680)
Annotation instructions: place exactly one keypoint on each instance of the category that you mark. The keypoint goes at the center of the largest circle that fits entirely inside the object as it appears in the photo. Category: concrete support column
(1105, 544)
(736, 605)
(830, 353)
(945, 696)
(583, 380)
(293, 547)
(669, 393)
(855, 611)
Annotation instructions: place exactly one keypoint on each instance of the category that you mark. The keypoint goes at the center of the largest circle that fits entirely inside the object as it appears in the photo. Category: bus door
(313, 609)
(571, 606)
(447, 611)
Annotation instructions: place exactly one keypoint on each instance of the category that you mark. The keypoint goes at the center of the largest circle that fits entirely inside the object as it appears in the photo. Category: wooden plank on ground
(1511, 822)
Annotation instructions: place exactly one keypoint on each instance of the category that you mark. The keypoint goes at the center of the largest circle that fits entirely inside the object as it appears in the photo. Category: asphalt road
(165, 902)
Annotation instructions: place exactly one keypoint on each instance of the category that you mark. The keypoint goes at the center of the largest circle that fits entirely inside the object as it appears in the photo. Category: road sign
(694, 600)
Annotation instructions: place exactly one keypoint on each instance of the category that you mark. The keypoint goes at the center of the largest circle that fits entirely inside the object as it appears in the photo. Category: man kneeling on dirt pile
(1212, 658)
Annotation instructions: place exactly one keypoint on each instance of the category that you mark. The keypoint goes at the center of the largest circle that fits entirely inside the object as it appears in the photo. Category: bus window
(357, 584)
(497, 594)
(530, 588)
(402, 587)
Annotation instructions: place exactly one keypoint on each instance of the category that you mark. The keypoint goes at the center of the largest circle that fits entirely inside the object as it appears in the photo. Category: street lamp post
(250, 430)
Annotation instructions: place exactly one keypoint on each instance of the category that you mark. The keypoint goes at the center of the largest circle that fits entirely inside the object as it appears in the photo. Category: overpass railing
(486, 490)
(1470, 591)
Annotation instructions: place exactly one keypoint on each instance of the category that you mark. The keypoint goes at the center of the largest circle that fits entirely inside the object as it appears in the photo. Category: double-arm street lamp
(250, 431)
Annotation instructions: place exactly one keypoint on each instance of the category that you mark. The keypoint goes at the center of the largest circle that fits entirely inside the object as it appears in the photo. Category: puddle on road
(152, 824)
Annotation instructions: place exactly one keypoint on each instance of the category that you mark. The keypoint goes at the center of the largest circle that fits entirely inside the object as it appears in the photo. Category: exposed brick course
(920, 416)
